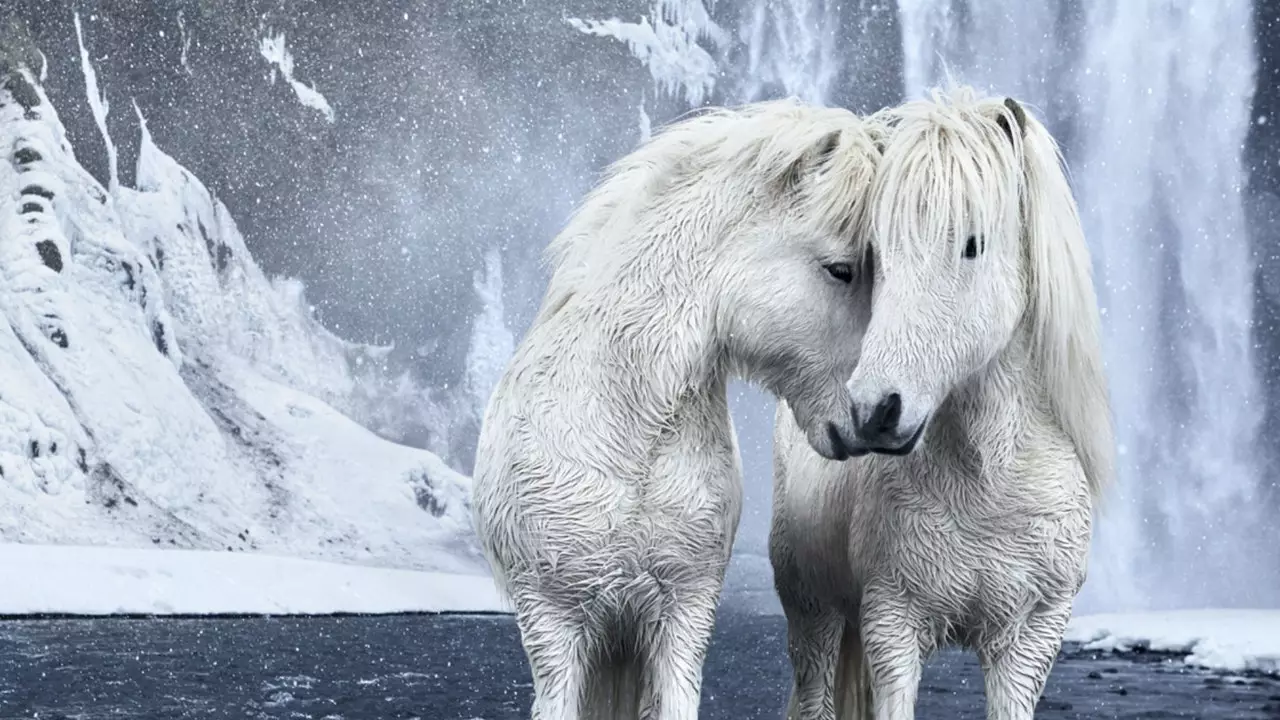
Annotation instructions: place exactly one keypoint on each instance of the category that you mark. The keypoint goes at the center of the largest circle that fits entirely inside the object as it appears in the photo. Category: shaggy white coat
(980, 536)
(607, 479)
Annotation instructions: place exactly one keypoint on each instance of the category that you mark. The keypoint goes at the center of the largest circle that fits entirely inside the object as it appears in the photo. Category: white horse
(607, 480)
(983, 428)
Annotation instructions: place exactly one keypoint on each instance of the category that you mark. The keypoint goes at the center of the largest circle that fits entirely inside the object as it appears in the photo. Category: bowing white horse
(983, 434)
(607, 481)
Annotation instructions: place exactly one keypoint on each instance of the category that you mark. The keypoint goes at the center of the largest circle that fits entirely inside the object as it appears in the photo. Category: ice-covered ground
(1225, 640)
(158, 390)
(60, 579)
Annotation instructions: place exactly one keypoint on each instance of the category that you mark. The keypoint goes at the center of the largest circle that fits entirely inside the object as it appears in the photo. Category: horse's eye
(841, 271)
(971, 247)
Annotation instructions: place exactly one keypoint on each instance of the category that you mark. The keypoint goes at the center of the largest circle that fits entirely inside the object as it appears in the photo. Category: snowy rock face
(156, 388)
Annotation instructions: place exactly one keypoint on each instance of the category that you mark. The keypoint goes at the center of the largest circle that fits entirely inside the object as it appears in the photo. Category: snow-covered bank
(70, 580)
(1225, 640)
(159, 390)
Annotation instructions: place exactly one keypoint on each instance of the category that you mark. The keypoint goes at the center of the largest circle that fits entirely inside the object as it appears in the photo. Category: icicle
(274, 51)
(667, 43)
(186, 43)
(99, 107)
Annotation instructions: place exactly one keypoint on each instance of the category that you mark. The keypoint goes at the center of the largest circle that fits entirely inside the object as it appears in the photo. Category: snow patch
(1223, 640)
(273, 49)
(666, 42)
(158, 390)
(59, 579)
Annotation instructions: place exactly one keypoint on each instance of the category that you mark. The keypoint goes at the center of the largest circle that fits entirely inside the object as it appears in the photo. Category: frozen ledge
(63, 580)
(1225, 640)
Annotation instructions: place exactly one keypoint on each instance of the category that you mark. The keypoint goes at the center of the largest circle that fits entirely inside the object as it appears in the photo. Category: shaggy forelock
(949, 169)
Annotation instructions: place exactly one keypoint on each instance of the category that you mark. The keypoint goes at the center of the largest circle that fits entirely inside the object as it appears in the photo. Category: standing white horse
(607, 479)
(983, 429)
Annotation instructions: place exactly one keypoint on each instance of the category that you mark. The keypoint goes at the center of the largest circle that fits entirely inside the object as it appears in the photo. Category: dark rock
(222, 257)
(157, 336)
(208, 241)
(26, 156)
(38, 190)
(50, 255)
(424, 494)
(23, 92)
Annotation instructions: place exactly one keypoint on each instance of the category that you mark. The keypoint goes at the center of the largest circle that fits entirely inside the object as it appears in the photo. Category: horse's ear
(891, 122)
(812, 160)
(879, 141)
(825, 148)
(1019, 116)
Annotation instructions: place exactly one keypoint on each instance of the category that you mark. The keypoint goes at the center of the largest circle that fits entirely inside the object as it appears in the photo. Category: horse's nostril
(882, 419)
(892, 406)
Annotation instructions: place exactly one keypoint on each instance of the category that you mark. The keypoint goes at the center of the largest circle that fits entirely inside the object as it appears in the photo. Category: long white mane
(958, 162)
(752, 150)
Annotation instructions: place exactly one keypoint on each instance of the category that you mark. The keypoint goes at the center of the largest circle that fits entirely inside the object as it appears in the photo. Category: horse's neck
(643, 329)
(999, 422)
(652, 346)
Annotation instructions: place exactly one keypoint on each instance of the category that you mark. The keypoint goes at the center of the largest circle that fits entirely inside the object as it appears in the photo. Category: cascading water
(791, 47)
(1160, 121)
(492, 344)
(1163, 126)
(1009, 46)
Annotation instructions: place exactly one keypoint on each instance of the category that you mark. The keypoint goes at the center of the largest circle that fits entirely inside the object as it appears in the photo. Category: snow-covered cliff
(156, 388)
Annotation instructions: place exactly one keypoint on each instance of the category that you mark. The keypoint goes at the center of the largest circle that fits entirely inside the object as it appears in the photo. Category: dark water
(465, 667)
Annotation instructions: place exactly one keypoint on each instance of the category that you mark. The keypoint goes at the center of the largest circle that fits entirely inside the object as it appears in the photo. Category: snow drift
(70, 580)
(1223, 640)
(157, 389)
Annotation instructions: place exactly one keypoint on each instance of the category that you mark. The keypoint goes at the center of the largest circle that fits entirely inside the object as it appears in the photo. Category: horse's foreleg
(1016, 672)
(891, 638)
(556, 649)
(676, 651)
(813, 644)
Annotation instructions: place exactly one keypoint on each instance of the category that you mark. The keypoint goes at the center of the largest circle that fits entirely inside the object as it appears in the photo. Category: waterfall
(1155, 99)
(1165, 112)
(1009, 46)
(791, 48)
(492, 344)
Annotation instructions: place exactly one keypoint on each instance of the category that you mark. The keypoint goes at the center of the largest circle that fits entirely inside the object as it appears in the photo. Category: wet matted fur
(983, 409)
(607, 480)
